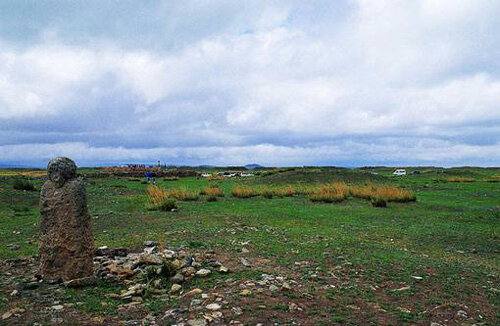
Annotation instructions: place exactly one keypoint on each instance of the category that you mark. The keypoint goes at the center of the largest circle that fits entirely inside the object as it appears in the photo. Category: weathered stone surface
(66, 241)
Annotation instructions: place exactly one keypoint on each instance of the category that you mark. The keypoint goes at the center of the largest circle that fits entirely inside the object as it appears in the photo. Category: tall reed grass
(159, 199)
(213, 190)
(459, 179)
(385, 192)
(330, 193)
(243, 192)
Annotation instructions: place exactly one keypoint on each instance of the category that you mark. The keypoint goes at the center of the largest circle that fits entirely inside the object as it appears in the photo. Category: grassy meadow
(434, 250)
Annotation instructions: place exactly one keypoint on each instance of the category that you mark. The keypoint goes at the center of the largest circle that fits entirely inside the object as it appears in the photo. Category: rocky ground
(177, 287)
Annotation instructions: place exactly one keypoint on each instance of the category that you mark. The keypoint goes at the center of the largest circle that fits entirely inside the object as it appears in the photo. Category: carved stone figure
(66, 241)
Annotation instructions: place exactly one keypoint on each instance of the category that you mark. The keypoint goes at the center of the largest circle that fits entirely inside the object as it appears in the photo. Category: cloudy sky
(345, 82)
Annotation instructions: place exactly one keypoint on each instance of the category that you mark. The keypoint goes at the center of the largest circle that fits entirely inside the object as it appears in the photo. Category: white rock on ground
(213, 306)
(203, 272)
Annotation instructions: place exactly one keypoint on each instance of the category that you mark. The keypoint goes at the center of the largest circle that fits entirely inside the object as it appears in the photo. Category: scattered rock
(405, 288)
(102, 251)
(418, 278)
(175, 288)
(188, 271)
(6, 315)
(293, 306)
(14, 293)
(246, 293)
(404, 310)
(57, 307)
(196, 322)
(177, 278)
(203, 272)
(80, 282)
(213, 306)
(245, 262)
(273, 288)
(223, 269)
(193, 293)
(462, 314)
(151, 243)
(150, 250)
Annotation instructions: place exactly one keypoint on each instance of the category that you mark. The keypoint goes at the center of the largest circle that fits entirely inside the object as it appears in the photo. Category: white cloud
(281, 90)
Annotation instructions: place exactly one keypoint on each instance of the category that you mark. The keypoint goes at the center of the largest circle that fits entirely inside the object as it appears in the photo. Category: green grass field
(357, 255)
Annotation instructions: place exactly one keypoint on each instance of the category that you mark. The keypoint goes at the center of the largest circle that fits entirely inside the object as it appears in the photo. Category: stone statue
(66, 241)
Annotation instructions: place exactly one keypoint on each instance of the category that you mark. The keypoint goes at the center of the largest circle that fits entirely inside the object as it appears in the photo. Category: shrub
(378, 202)
(211, 198)
(171, 179)
(212, 191)
(134, 179)
(330, 193)
(23, 184)
(243, 192)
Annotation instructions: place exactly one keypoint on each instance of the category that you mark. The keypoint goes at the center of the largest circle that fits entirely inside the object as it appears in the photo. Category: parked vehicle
(399, 172)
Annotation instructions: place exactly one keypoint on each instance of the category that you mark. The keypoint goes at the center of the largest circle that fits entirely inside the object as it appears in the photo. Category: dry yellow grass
(159, 199)
(459, 179)
(33, 174)
(243, 192)
(212, 191)
(335, 192)
(215, 178)
(287, 191)
(183, 194)
(156, 195)
(386, 192)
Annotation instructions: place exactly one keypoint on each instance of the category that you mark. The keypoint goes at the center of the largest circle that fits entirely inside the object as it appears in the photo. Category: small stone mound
(154, 272)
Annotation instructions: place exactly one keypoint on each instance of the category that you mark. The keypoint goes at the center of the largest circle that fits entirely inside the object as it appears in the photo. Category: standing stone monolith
(66, 241)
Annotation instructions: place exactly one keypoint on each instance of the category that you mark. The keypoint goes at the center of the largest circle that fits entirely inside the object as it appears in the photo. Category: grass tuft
(243, 192)
(23, 184)
(213, 191)
(459, 179)
(158, 199)
(385, 192)
(330, 193)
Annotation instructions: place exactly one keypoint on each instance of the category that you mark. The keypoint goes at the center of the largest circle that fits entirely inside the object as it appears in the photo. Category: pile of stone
(153, 272)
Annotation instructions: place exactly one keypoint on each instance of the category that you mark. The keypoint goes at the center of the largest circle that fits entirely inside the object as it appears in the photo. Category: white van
(399, 172)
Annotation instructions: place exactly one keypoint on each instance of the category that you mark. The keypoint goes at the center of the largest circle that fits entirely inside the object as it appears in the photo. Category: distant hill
(253, 166)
